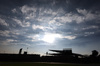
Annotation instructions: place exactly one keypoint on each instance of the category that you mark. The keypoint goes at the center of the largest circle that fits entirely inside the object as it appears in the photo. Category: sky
(40, 25)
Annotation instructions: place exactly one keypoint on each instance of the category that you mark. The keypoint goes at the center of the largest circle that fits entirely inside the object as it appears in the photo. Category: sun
(50, 38)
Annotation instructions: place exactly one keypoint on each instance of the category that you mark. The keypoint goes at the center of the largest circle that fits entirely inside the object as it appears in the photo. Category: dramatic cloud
(91, 27)
(38, 27)
(11, 40)
(32, 23)
(14, 10)
(3, 22)
(22, 24)
(26, 9)
(88, 15)
(4, 33)
(70, 37)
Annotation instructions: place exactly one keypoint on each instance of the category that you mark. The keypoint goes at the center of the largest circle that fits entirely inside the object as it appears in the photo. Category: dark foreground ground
(43, 64)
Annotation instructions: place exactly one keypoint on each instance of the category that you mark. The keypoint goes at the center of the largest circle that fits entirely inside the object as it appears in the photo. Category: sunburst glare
(50, 38)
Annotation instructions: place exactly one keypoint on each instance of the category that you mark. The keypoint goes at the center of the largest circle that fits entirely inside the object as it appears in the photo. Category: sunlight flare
(50, 38)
